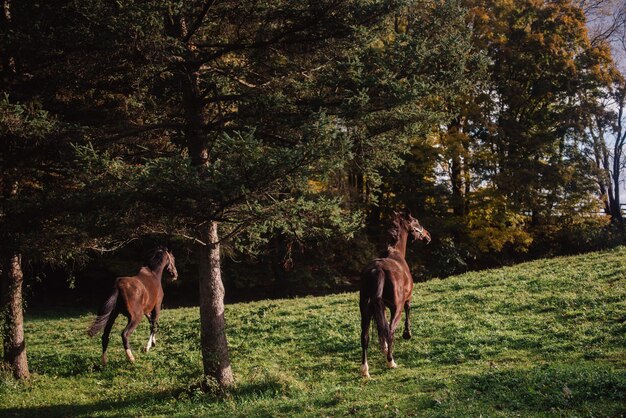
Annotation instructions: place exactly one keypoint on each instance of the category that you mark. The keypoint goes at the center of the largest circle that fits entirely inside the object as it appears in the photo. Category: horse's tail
(378, 308)
(104, 313)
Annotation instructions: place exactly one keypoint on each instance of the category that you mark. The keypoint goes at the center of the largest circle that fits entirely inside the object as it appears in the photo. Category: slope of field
(546, 338)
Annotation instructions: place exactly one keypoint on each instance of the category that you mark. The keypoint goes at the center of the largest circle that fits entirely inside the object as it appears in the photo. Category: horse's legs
(366, 318)
(149, 317)
(153, 318)
(392, 314)
(396, 315)
(105, 335)
(133, 321)
(407, 327)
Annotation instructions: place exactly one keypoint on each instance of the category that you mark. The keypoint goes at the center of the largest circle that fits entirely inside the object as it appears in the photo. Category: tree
(22, 128)
(267, 103)
(520, 136)
(606, 20)
(202, 115)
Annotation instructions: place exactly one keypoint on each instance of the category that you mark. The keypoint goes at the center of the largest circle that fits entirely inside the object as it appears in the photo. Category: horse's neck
(157, 272)
(400, 244)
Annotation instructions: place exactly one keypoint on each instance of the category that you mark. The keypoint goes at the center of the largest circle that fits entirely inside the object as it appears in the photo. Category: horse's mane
(397, 223)
(156, 258)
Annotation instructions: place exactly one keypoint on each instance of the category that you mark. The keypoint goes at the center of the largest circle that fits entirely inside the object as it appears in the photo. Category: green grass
(546, 338)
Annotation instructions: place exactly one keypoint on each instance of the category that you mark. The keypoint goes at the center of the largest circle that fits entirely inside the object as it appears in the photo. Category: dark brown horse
(387, 282)
(134, 297)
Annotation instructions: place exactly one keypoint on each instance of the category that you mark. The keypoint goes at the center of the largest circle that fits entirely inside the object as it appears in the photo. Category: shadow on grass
(112, 407)
(58, 313)
(67, 365)
(583, 386)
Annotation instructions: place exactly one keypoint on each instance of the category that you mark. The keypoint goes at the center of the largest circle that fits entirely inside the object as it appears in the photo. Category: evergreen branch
(296, 28)
(146, 128)
(198, 22)
(117, 246)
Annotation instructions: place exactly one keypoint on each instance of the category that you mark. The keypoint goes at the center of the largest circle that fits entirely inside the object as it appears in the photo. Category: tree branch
(198, 22)
(146, 128)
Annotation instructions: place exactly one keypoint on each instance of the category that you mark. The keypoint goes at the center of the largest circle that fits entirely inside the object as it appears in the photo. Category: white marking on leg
(392, 364)
(365, 370)
(384, 347)
(130, 356)
(104, 359)
(149, 343)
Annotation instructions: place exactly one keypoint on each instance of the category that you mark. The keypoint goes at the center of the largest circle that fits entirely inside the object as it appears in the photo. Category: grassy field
(546, 338)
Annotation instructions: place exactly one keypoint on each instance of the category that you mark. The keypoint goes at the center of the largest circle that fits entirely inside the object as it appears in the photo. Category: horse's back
(139, 292)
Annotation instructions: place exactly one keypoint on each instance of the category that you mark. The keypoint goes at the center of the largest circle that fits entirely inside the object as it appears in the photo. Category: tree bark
(457, 167)
(616, 210)
(215, 359)
(14, 343)
(456, 178)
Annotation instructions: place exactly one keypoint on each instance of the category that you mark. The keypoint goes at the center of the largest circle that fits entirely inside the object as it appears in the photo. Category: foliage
(511, 172)
(492, 224)
(540, 338)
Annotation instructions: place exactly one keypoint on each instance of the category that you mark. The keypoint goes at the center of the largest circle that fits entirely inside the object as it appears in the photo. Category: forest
(268, 144)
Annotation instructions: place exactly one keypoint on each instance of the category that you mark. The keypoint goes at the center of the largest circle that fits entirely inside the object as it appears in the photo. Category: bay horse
(387, 282)
(134, 297)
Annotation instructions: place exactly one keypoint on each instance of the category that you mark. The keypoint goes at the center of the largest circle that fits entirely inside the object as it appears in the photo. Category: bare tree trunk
(13, 327)
(618, 149)
(215, 359)
(457, 167)
(456, 178)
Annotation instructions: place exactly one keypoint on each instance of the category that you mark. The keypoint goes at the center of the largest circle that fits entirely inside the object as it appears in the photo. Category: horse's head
(171, 264)
(418, 232)
(412, 225)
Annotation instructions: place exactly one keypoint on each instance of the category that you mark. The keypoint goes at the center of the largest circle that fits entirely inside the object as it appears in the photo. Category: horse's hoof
(365, 371)
(104, 359)
(406, 335)
(392, 364)
(130, 356)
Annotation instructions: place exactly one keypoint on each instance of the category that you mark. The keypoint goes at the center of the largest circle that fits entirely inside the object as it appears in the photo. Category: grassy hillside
(537, 339)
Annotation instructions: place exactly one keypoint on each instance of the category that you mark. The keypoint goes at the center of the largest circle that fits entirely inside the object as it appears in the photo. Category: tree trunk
(616, 210)
(456, 178)
(13, 327)
(618, 149)
(457, 166)
(278, 258)
(215, 359)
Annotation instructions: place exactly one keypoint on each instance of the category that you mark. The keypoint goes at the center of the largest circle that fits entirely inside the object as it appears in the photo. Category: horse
(134, 297)
(387, 282)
